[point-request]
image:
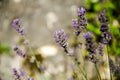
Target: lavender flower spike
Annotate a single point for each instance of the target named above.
(81, 11)
(88, 36)
(60, 38)
(90, 46)
(19, 51)
(75, 24)
(16, 74)
(15, 22)
(17, 26)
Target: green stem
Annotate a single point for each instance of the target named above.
(28, 45)
(97, 71)
(79, 69)
(83, 66)
(108, 56)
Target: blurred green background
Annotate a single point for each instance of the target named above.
(112, 12)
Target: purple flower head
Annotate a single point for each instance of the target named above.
(22, 31)
(19, 51)
(60, 38)
(106, 37)
(104, 27)
(17, 26)
(16, 74)
(102, 18)
(77, 33)
(83, 22)
(15, 22)
(81, 11)
(75, 24)
(88, 36)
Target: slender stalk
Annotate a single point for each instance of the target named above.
(108, 56)
(79, 69)
(98, 72)
(84, 65)
(32, 52)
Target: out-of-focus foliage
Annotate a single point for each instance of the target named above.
(4, 48)
(112, 10)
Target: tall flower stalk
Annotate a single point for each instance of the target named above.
(20, 29)
(61, 39)
(105, 34)
(91, 48)
(80, 23)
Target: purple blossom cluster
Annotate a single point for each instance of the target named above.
(90, 46)
(114, 68)
(20, 75)
(19, 51)
(100, 49)
(61, 39)
(81, 22)
(17, 26)
(94, 48)
(105, 34)
(16, 74)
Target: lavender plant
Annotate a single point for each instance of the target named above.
(20, 75)
(92, 47)
(80, 23)
(21, 52)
